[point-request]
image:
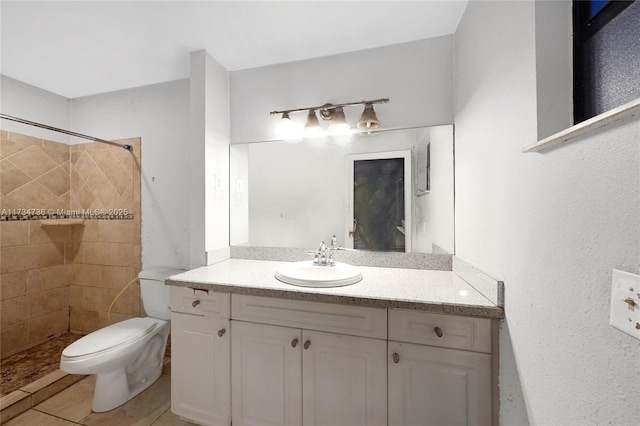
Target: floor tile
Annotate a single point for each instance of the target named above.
(14, 404)
(33, 417)
(73, 403)
(143, 410)
(170, 419)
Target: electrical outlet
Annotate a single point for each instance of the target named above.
(239, 186)
(625, 303)
(217, 182)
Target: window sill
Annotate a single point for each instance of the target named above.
(606, 119)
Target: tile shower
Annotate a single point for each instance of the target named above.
(57, 278)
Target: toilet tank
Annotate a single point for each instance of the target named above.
(154, 293)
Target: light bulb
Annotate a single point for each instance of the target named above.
(289, 130)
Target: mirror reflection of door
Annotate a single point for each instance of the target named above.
(379, 199)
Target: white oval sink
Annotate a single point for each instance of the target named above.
(306, 274)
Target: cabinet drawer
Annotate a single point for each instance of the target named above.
(199, 302)
(447, 331)
(343, 319)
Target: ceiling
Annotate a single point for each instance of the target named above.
(79, 48)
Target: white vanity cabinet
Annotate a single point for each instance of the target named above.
(200, 356)
(308, 363)
(439, 369)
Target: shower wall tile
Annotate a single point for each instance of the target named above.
(21, 258)
(13, 338)
(44, 279)
(32, 161)
(49, 301)
(14, 233)
(56, 180)
(56, 278)
(14, 311)
(13, 284)
(13, 143)
(26, 140)
(11, 177)
(49, 325)
(106, 258)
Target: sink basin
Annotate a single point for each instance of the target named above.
(306, 274)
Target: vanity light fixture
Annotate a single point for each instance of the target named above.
(289, 130)
(312, 126)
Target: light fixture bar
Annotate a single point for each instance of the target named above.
(332, 106)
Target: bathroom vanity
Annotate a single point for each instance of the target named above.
(401, 347)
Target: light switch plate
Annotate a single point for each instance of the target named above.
(625, 303)
(217, 182)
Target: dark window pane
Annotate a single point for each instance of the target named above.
(611, 68)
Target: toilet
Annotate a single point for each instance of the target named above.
(126, 357)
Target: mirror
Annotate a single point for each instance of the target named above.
(295, 195)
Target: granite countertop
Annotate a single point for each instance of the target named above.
(416, 289)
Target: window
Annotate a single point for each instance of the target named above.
(606, 55)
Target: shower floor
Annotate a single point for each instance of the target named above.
(25, 367)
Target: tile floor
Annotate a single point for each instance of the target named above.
(28, 366)
(72, 407)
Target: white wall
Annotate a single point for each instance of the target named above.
(209, 157)
(159, 114)
(552, 226)
(434, 211)
(417, 77)
(22, 100)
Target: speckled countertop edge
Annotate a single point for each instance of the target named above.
(216, 278)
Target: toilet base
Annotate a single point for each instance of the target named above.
(112, 389)
(122, 384)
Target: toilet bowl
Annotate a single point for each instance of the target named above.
(126, 357)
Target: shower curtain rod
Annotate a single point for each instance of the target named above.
(66, 132)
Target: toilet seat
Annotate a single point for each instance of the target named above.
(109, 337)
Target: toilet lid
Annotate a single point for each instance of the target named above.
(111, 336)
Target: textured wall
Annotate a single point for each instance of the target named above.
(552, 226)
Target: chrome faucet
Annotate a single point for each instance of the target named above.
(321, 258)
(324, 255)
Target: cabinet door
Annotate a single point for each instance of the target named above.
(436, 386)
(344, 380)
(266, 374)
(200, 369)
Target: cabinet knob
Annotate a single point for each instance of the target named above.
(221, 332)
(307, 344)
(396, 358)
(294, 343)
(195, 303)
(438, 331)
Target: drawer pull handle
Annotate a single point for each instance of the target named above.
(294, 343)
(195, 303)
(307, 344)
(396, 358)
(438, 331)
(221, 332)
